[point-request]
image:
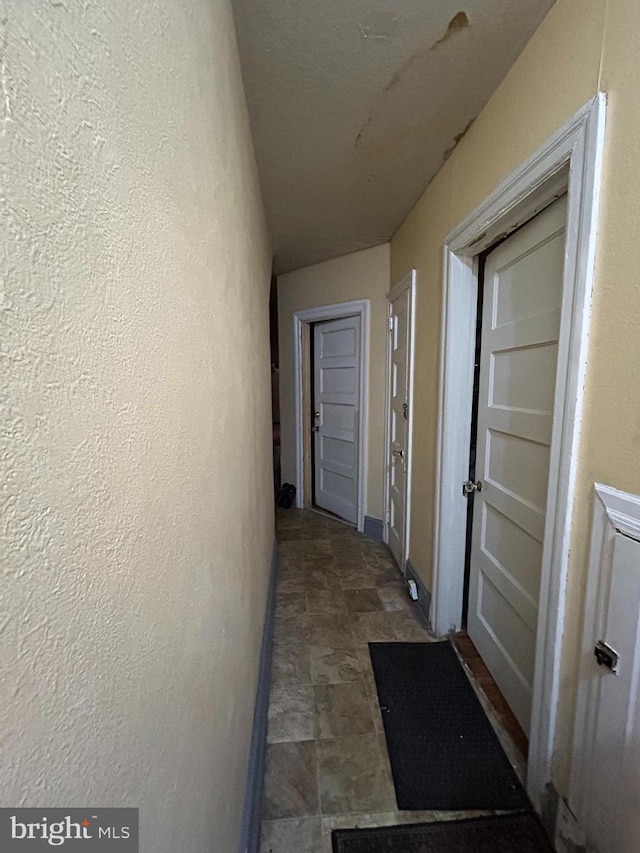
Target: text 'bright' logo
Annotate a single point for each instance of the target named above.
(55, 833)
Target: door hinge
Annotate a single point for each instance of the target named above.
(405, 411)
(391, 324)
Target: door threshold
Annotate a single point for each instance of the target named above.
(330, 515)
(509, 731)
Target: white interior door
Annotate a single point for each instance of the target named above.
(398, 359)
(520, 328)
(336, 348)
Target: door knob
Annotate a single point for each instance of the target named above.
(469, 487)
(397, 454)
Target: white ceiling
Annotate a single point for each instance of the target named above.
(355, 104)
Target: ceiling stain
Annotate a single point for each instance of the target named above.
(460, 21)
(361, 132)
(329, 63)
(404, 68)
(458, 138)
(396, 77)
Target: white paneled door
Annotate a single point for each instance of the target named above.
(336, 351)
(398, 359)
(520, 329)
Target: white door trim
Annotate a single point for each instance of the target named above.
(614, 511)
(359, 307)
(408, 281)
(569, 161)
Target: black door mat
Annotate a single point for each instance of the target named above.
(444, 753)
(515, 833)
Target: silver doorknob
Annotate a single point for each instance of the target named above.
(469, 487)
(397, 454)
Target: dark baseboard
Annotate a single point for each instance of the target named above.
(549, 803)
(250, 830)
(424, 596)
(373, 527)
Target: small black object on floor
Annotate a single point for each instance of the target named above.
(514, 833)
(286, 495)
(444, 753)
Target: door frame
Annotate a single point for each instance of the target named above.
(302, 321)
(570, 161)
(408, 282)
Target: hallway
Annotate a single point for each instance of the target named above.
(327, 762)
(166, 165)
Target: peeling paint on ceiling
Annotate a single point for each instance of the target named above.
(355, 106)
(459, 21)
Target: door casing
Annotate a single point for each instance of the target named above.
(408, 282)
(570, 161)
(302, 321)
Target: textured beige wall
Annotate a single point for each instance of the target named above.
(610, 451)
(582, 46)
(361, 275)
(137, 525)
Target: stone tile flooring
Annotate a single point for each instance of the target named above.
(327, 762)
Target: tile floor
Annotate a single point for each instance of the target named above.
(327, 762)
